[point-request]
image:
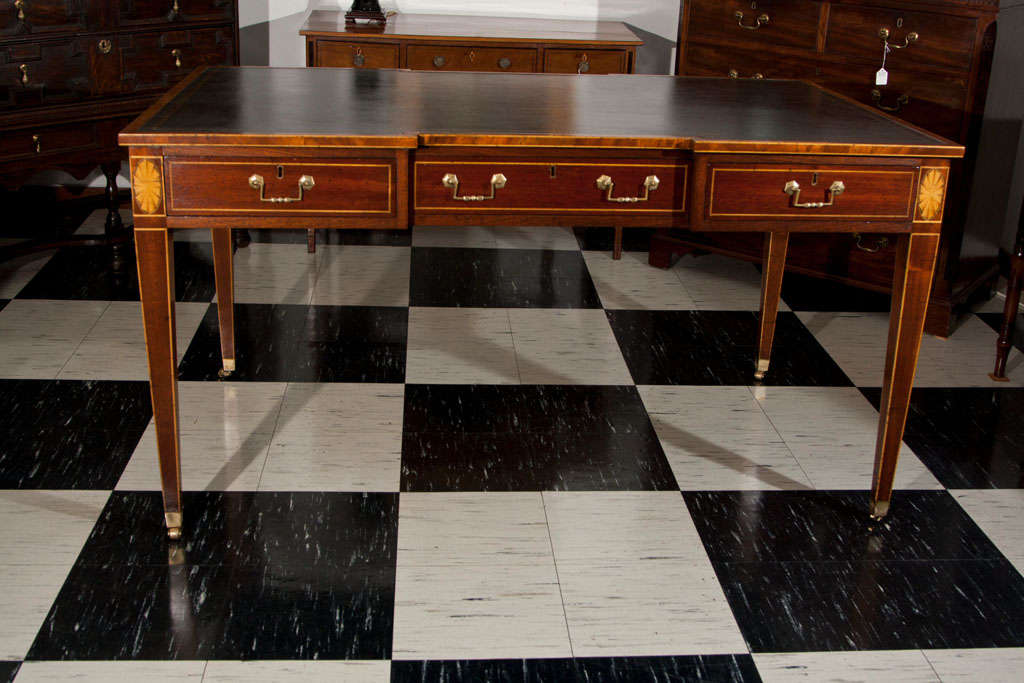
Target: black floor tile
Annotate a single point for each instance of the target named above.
(819, 526)
(875, 605)
(69, 434)
(393, 238)
(258, 576)
(719, 348)
(500, 278)
(529, 438)
(803, 293)
(88, 273)
(968, 438)
(8, 670)
(603, 239)
(295, 343)
(995, 321)
(3, 303)
(717, 668)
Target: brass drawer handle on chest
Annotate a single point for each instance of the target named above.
(760, 21)
(733, 73)
(793, 190)
(911, 37)
(176, 53)
(104, 46)
(24, 74)
(880, 244)
(20, 6)
(305, 184)
(901, 101)
(451, 181)
(37, 144)
(651, 182)
(175, 11)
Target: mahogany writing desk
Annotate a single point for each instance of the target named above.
(279, 148)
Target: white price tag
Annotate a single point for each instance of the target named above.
(882, 77)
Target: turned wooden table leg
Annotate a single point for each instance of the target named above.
(154, 251)
(224, 276)
(775, 244)
(311, 241)
(617, 248)
(113, 226)
(912, 283)
(1010, 310)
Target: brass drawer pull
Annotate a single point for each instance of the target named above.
(37, 144)
(504, 62)
(359, 59)
(104, 46)
(733, 73)
(176, 53)
(175, 12)
(24, 74)
(880, 243)
(305, 184)
(793, 190)
(439, 61)
(651, 182)
(20, 6)
(761, 21)
(911, 37)
(451, 181)
(901, 101)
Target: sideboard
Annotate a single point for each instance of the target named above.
(939, 54)
(73, 73)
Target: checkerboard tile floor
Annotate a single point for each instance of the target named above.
(496, 454)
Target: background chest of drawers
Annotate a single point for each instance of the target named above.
(74, 72)
(938, 69)
(453, 43)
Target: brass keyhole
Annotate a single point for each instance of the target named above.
(814, 178)
(280, 172)
(554, 171)
(753, 5)
(899, 22)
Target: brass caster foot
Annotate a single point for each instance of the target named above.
(227, 369)
(173, 522)
(174, 533)
(224, 374)
(879, 510)
(995, 378)
(760, 370)
(759, 376)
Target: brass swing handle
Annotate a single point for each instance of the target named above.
(175, 12)
(911, 37)
(761, 21)
(23, 68)
(176, 53)
(793, 190)
(305, 184)
(880, 243)
(651, 182)
(901, 101)
(734, 73)
(20, 6)
(451, 181)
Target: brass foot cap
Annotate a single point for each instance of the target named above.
(879, 510)
(996, 378)
(222, 373)
(174, 533)
(758, 376)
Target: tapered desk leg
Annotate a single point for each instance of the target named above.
(310, 241)
(224, 275)
(617, 247)
(154, 251)
(915, 263)
(774, 263)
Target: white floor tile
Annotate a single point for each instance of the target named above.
(635, 578)
(225, 430)
(496, 237)
(16, 273)
(566, 346)
(476, 579)
(274, 274)
(353, 671)
(38, 336)
(905, 666)
(992, 665)
(631, 283)
(352, 275)
(718, 438)
(104, 672)
(832, 431)
(460, 346)
(115, 348)
(337, 437)
(1000, 514)
(857, 343)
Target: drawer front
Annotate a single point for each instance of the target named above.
(933, 101)
(942, 39)
(789, 23)
(586, 61)
(28, 143)
(742, 192)
(349, 186)
(37, 74)
(141, 12)
(358, 55)
(554, 187)
(712, 60)
(155, 61)
(464, 58)
(41, 16)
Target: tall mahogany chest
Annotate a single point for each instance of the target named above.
(937, 63)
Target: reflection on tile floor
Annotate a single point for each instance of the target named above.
(552, 466)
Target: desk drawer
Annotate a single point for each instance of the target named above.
(456, 58)
(358, 55)
(760, 191)
(586, 61)
(349, 186)
(783, 23)
(466, 186)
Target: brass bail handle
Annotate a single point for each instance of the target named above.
(24, 74)
(451, 181)
(176, 53)
(175, 11)
(759, 21)
(909, 39)
(306, 184)
(834, 190)
(651, 182)
(20, 6)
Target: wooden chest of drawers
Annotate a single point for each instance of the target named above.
(73, 73)
(938, 64)
(454, 43)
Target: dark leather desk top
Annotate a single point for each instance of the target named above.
(397, 108)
